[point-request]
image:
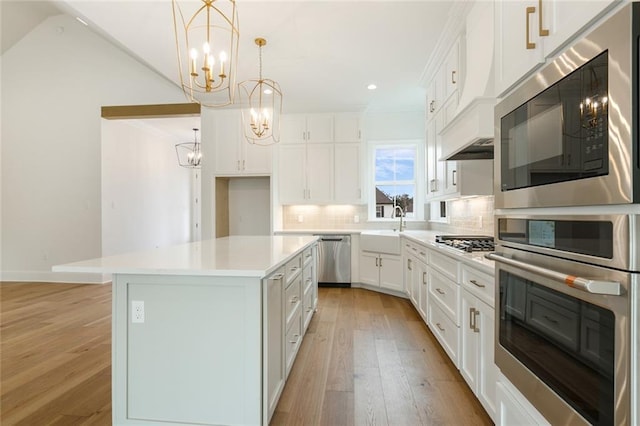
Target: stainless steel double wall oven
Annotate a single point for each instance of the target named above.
(567, 315)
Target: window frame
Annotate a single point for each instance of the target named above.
(418, 201)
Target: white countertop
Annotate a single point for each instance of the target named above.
(239, 256)
(475, 259)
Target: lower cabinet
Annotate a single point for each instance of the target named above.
(513, 408)
(381, 270)
(289, 300)
(477, 364)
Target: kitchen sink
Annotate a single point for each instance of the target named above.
(385, 241)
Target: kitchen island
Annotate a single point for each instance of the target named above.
(206, 332)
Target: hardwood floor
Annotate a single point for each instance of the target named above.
(367, 359)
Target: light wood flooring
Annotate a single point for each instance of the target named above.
(367, 358)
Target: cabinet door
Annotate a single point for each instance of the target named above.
(256, 158)
(469, 352)
(391, 272)
(347, 127)
(487, 369)
(434, 97)
(409, 274)
(227, 139)
(291, 174)
(273, 343)
(320, 128)
(451, 77)
(514, 60)
(347, 173)
(369, 270)
(564, 18)
(450, 171)
(293, 128)
(320, 173)
(431, 160)
(423, 288)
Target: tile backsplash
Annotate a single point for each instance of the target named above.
(468, 215)
(464, 216)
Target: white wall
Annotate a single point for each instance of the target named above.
(54, 82)
(394, 125)
(145, 193)
(249, 206)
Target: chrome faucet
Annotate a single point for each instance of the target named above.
(402, 224)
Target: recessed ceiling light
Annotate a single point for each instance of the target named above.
(83, 22)
(372, 87)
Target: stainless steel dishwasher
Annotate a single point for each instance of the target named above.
(334, 261)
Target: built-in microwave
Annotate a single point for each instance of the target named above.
(568, 136)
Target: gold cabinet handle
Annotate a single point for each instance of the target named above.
(475, 321)
(453, 73)
(472, 317)
(424, 278)
(530, 10)
(439, 326)
(541, 31)
(440, 291)
(409, 264)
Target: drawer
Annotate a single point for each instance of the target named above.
(307, 308)
(479, 284)
(552, 320)
(307, 256)
(307, 278)
(293, 268)
(445, 330)
(419, 251)
(292, 299)
(444, 264)
(446, 293)
(292, 340)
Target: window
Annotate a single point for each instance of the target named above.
(395, 178)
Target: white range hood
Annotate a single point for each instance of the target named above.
(470, 134)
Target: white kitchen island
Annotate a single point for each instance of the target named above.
(205, 333)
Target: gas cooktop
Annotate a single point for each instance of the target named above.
(468, 243)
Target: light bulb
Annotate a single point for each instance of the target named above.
(205, 48)
(223, 56)
(194, 54)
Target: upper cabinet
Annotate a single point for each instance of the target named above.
(234, 155)
(347, 127)
(300, 128)
(526, 33)
(442, 91)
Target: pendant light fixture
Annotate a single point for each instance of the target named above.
(207, 48)
(189, 153)
(261, 107)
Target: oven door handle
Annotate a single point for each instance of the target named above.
(585, 284)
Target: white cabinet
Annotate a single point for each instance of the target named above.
(273, 359)
(348, 174)
(234, 155)
(347, 127)
(381, 270)
(513, 408)
(306, 173)
(300, 128)
(442, 91)
(477, 364)
(526, 35)
(435, 168)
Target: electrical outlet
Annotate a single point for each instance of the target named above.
(356, 219)
(137, 311)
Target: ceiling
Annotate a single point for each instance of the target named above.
(322, 53)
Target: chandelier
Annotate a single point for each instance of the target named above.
(207, 47)
(189, 153)
(261, 107)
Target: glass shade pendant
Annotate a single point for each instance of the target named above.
(189, 153)
(207, 48)
(261, 101)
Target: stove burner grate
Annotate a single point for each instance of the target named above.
(468, 243)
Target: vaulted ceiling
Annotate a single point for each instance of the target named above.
(323, 53)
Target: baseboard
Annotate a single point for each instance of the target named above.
(55, 277)
(380, 290)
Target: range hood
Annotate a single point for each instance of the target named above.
(470, 135)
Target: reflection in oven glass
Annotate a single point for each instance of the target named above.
(566, 342)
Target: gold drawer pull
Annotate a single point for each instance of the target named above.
(439, 326)
(530, 10)
(541, 31)
(440, 291)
